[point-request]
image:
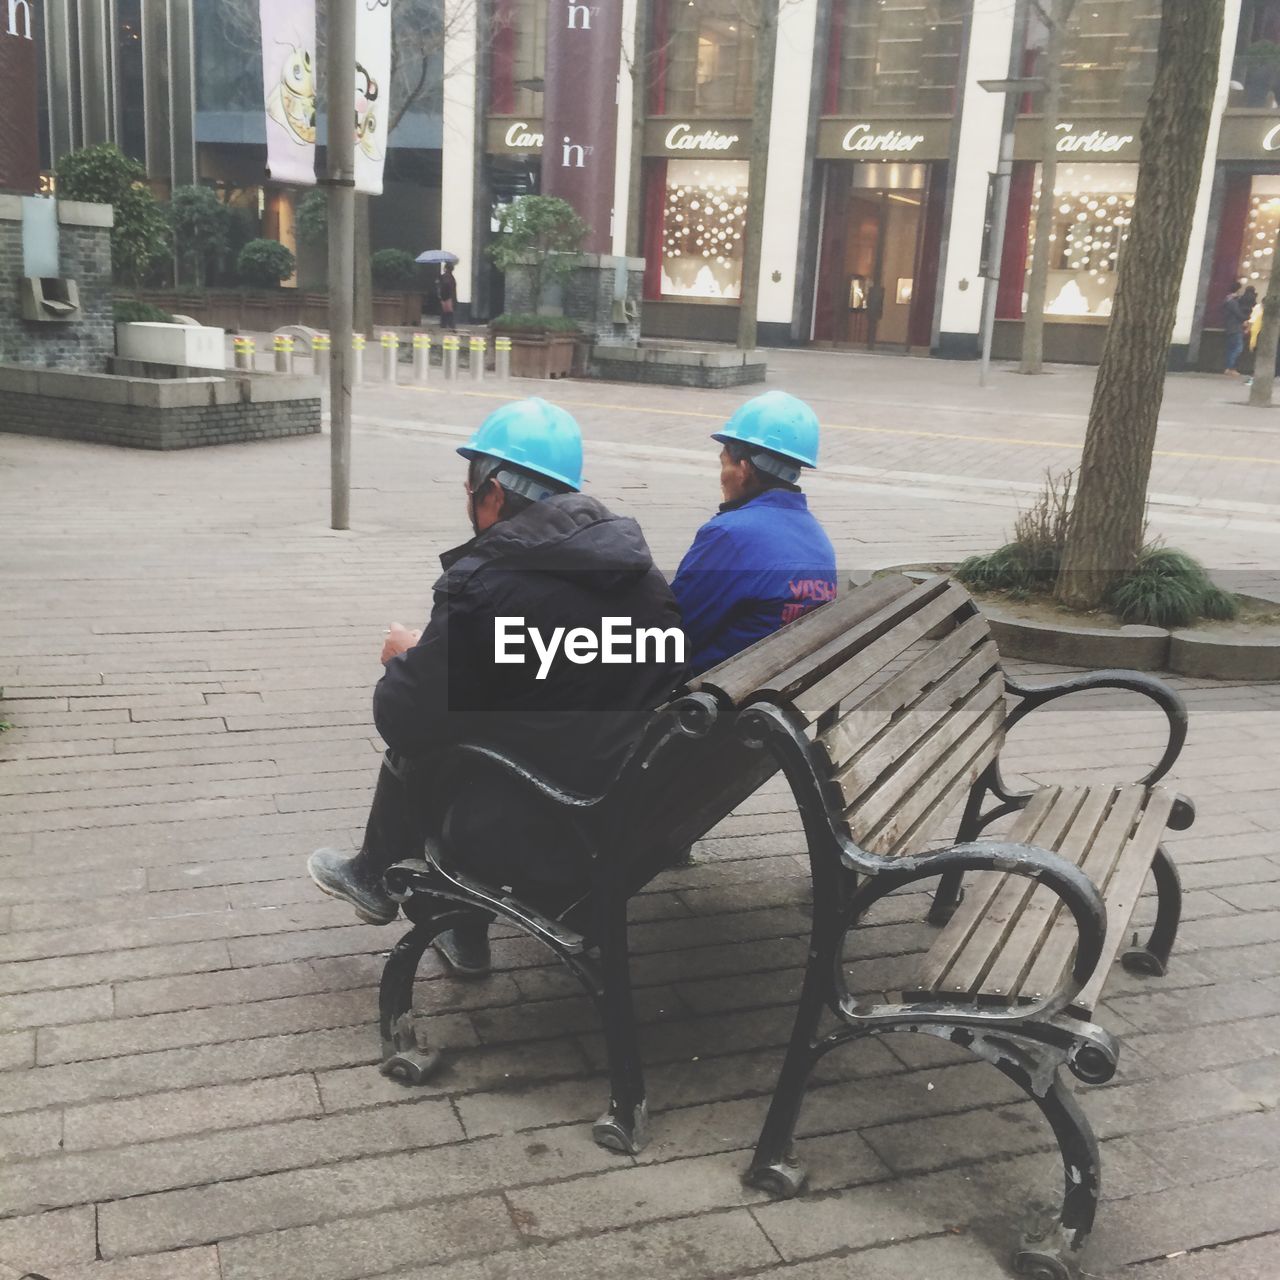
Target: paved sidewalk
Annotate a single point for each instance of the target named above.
(187, 1029)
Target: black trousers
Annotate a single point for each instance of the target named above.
(485, 826)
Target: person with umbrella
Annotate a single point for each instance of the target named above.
(446, 287)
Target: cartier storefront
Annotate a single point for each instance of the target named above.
(884, 159)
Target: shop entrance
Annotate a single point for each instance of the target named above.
(870, 292)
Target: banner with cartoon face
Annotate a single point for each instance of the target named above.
(373, 92)
(289, 75)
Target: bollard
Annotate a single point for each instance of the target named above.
(321, 351)
(244, 353)
(358, 345)
(450, 346)
(284, 353)
(421, 357)
(390, 357)
(477, 359)
(502, 358)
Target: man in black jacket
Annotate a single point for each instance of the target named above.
(495, 666)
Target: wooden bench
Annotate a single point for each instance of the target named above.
(883, 733)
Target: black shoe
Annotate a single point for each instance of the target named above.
(340, 875)
(465, 950)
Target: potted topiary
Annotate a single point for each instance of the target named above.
(538, 242)
(266, 264)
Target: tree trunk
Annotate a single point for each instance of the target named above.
(1264, 355)
(1105, 531)
(1038, 280)
(363, 283)
(758, 173)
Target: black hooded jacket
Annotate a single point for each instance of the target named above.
(563, 562)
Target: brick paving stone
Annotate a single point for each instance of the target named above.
(157, 810)
(357, 1247)
(1243, 1260)
(168, 1115)
(59, 1238)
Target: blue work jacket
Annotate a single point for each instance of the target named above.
(753, 567)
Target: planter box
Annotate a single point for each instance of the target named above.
(541, 355)
(184, 346)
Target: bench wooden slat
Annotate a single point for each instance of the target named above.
(791, 683)
(896, 730)
(1040, 906)
(866, 661)
(1098, 864)
(1123, 890)
(947, 778)
(923, 746)
(996, 915)
(979, 891)
(756, 667)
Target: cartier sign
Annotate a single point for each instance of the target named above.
(1250, 137)
(719, 139)
(855, 139)
(1096, 139)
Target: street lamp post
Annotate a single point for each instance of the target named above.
(341, 174)
(1012, 90)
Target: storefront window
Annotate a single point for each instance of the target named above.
(703, 218)
(894, 56)
(518, 55)
(1093, 207)
(129, 79)
(1255, 81)
(1260, 231)
(1110, 60)
(702, 56)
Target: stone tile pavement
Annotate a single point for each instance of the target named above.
(187, 1029)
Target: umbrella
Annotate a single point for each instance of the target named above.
(436, 255)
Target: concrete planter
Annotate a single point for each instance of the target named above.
(180, 345)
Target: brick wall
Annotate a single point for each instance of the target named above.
(148, 427)
(83, 343)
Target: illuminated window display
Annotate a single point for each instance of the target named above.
(1260, 232)
(1093, 207)
(703, 218)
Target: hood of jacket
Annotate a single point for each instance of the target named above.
(569, 536)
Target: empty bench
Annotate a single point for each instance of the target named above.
(883, 734)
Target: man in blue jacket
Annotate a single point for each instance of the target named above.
(764, 560)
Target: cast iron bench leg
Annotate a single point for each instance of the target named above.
(774, 1167)
(403, 1056)
(1153, 958)
(1048, 1251)
(624, 1127)
(947, 897)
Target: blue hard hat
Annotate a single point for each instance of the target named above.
(776, 422)
(533, 435)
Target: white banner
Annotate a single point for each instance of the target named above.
(373, 92)
(289, 84)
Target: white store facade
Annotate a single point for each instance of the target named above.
(881, 142)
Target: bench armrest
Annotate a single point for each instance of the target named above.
(1167, 699)
(1077, 891)
(527, 776)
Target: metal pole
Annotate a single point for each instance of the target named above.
(340, 66)
(421, 357)
(999, 218)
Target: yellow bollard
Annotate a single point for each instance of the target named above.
(450, 346)
(421, 357)
(390, 357)
(284, 353)
(244, 349)
(502, 358)
(477, 359)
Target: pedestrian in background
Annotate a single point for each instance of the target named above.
(1235, 316)
(448, 293)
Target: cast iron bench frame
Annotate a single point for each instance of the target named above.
(772, 707)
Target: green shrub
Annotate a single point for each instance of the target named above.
(1168, 588)
(201, 231)
(523, 322)
(313, 218)
(541, 233)
(393, 269)
(103, 174)
(131, 311)
(1031, 561)
(265, 263)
